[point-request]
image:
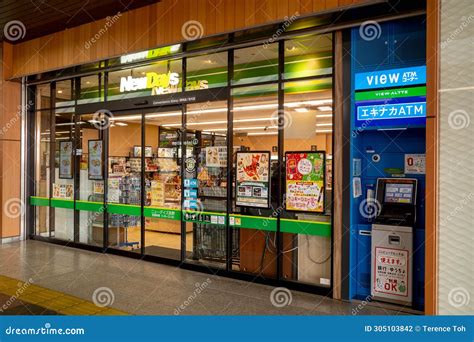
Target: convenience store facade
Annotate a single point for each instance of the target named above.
(188, 153)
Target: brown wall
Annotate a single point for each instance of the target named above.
(152, 26)
(10, 133)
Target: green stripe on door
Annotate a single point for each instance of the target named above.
(253, 222)
(305, 227)
(162, 213)
(62, 203)
(124, 209)
(39, 201)
(90, 206)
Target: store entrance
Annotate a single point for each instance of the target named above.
(144, 181)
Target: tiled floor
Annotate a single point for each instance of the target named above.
(145, 288)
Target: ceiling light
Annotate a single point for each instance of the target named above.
(324, 116)
(210, 62)
(302, 110)
(60, 91)
(324, 124)
(323, 130)
(121, 124)
(324, 108)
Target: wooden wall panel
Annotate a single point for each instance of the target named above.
(10, 135)
(151, 26)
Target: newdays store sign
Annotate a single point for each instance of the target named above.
(159, 83)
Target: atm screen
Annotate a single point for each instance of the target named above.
(399, 193)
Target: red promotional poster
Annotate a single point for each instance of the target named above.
(305, 177)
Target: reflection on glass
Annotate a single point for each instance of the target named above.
(64, 93)
(124, 183)
(308, 56)
(92, 89)
(42, 170)
(63, 183)
(307, 254)
(255, 139)
(163, 185)
(43, 96)
(256, 64)
(207, 71)
(91, 182)
(205, 181)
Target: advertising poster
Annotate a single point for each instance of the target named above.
(253, 179)
(391, 271)
(95, 160)
(305, 181)
(415, 164)
(65, 159)
(216, 156)
(63, 191)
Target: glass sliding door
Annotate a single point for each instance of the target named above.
(124, 181)
(162, 207)
(62, 199)
(205, 182)
(91, 171)
(254, 214)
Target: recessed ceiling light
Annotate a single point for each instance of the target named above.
(121, 124)
(302, 110)
(210, 61)
(60, 91)
(324, 108)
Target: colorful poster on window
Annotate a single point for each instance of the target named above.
(216, 156)
(305, 181)
(63, 191)
(65, 159)
(253, 179)
(95, 160)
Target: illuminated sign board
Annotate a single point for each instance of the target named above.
(158, 83)
(149, 54)
(391, 78)
(394, 97)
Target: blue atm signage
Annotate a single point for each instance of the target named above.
(390, 78)
(392, 111)
(397, 111)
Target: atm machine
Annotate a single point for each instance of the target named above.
(392, 240)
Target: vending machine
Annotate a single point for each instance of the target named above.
(392, 240)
